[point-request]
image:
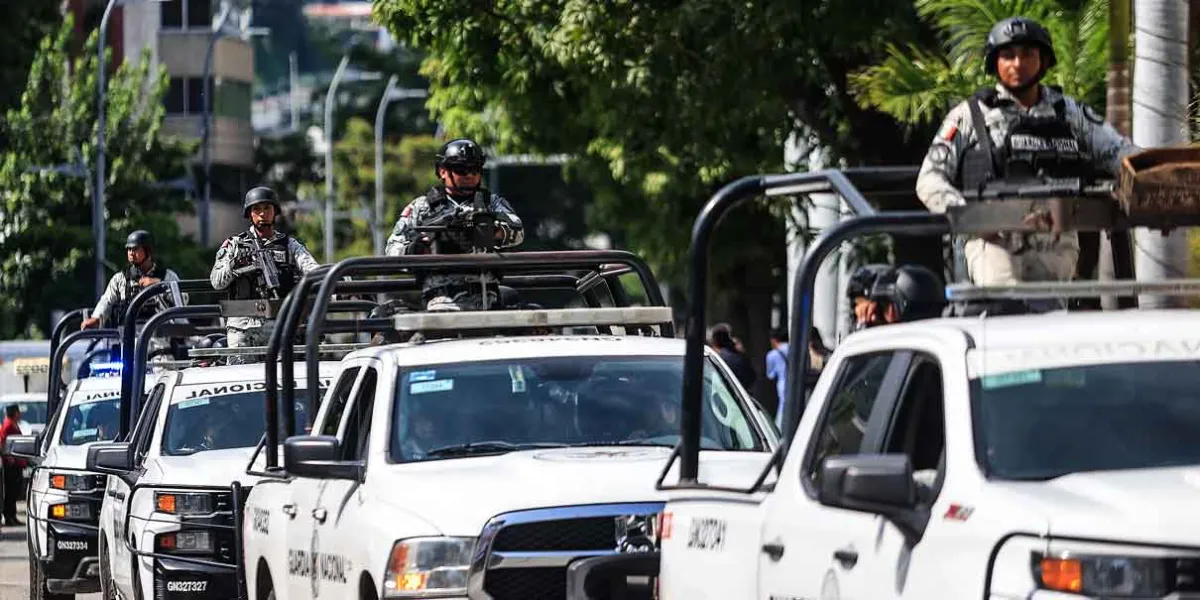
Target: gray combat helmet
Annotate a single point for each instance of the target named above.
(1018, 30)
(260, 195)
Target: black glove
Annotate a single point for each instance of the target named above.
(242, 257)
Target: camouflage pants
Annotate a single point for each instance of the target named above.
(1045, 259)
(247, 332)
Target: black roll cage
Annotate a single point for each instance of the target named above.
(520, 270)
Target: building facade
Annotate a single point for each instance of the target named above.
(178, 34)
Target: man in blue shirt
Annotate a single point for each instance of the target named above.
(777, 368)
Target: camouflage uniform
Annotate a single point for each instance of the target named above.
(235, 271)
(451, 291)
(124, 286)
(1018, 256)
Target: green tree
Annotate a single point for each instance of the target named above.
(663, 103)
(45, 218)
(918, 83)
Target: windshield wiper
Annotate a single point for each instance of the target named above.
(488, 447)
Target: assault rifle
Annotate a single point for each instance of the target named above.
(267, 266)
(472, 229)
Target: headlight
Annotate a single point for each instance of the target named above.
(420, 566)
(71, 483)
(1098, 575)
(183, 503)
(185, 542)
(71, 511)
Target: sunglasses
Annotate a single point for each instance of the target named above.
(464, 170)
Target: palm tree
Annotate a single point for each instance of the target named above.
(917, 85)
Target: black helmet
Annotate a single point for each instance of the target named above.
(863, 280)
(140, 238)
(1018, 30)
(916, 292)
(460, 152)
(259, 195)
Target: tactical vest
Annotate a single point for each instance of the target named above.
(131, 278)
(249, 286)
(1034, 147)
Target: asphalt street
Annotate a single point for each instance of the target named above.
(14, 563)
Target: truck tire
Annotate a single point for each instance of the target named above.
(108, 590)
(37, 581)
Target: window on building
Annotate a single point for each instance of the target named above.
(175, 100)
(199, 14)
(196, 95)
(172, 14)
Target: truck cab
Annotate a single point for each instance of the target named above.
(167, 520)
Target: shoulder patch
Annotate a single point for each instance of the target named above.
(950, 133)
(1090, 114)
(407, 210)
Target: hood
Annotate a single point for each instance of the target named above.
(459, 495)
(67, 457)
(215, 468)
(1152, 506)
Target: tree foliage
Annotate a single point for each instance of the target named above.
(662, 103)
(45, 218)
(917, 83)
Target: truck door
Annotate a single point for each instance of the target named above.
(303, 568)
(917, 429)
(810, 550)
(334, 520)
(120, 496)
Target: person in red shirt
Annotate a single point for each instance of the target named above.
(13, 466)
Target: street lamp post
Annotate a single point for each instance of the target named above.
(98, 196)
(330, 94)
(389, 94)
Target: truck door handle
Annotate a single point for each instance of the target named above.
(319, 514)
(289, 510)
(847, 557)
(116, 494)
(773, 550)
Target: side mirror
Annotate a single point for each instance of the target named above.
(318, 457)
(111, 458)
(23, 446)
(876, 483)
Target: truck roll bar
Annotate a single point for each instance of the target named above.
(60, 328)
(522, 270)
(129, 324)
(727, 198)
(136, 376)
(385, 265)
(54, 389)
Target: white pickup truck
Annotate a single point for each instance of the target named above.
(167, 520)
(64, 498)
(1046, 456)
(482, 467)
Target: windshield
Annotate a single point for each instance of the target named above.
(221, 421)
(1040, 424)
(92, 421)
(561, 401)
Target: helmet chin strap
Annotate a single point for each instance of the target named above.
(454, 189)
(1024, 87)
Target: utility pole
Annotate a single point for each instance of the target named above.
(380, 117)
(330, 98)
(293, 90)
(1160, 103)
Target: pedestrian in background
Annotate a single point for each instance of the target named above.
(720, 337)
(13, 466)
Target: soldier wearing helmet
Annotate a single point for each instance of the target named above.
(908, 293)
(142, 271)
(459, 166)
(1018, 130)
(236, 270)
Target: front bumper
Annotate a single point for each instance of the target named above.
(178, 579)
(72, 566)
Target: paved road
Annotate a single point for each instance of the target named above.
(14, 563)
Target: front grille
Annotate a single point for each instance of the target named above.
(1186, 574)
(594, 533)
(544, 583)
